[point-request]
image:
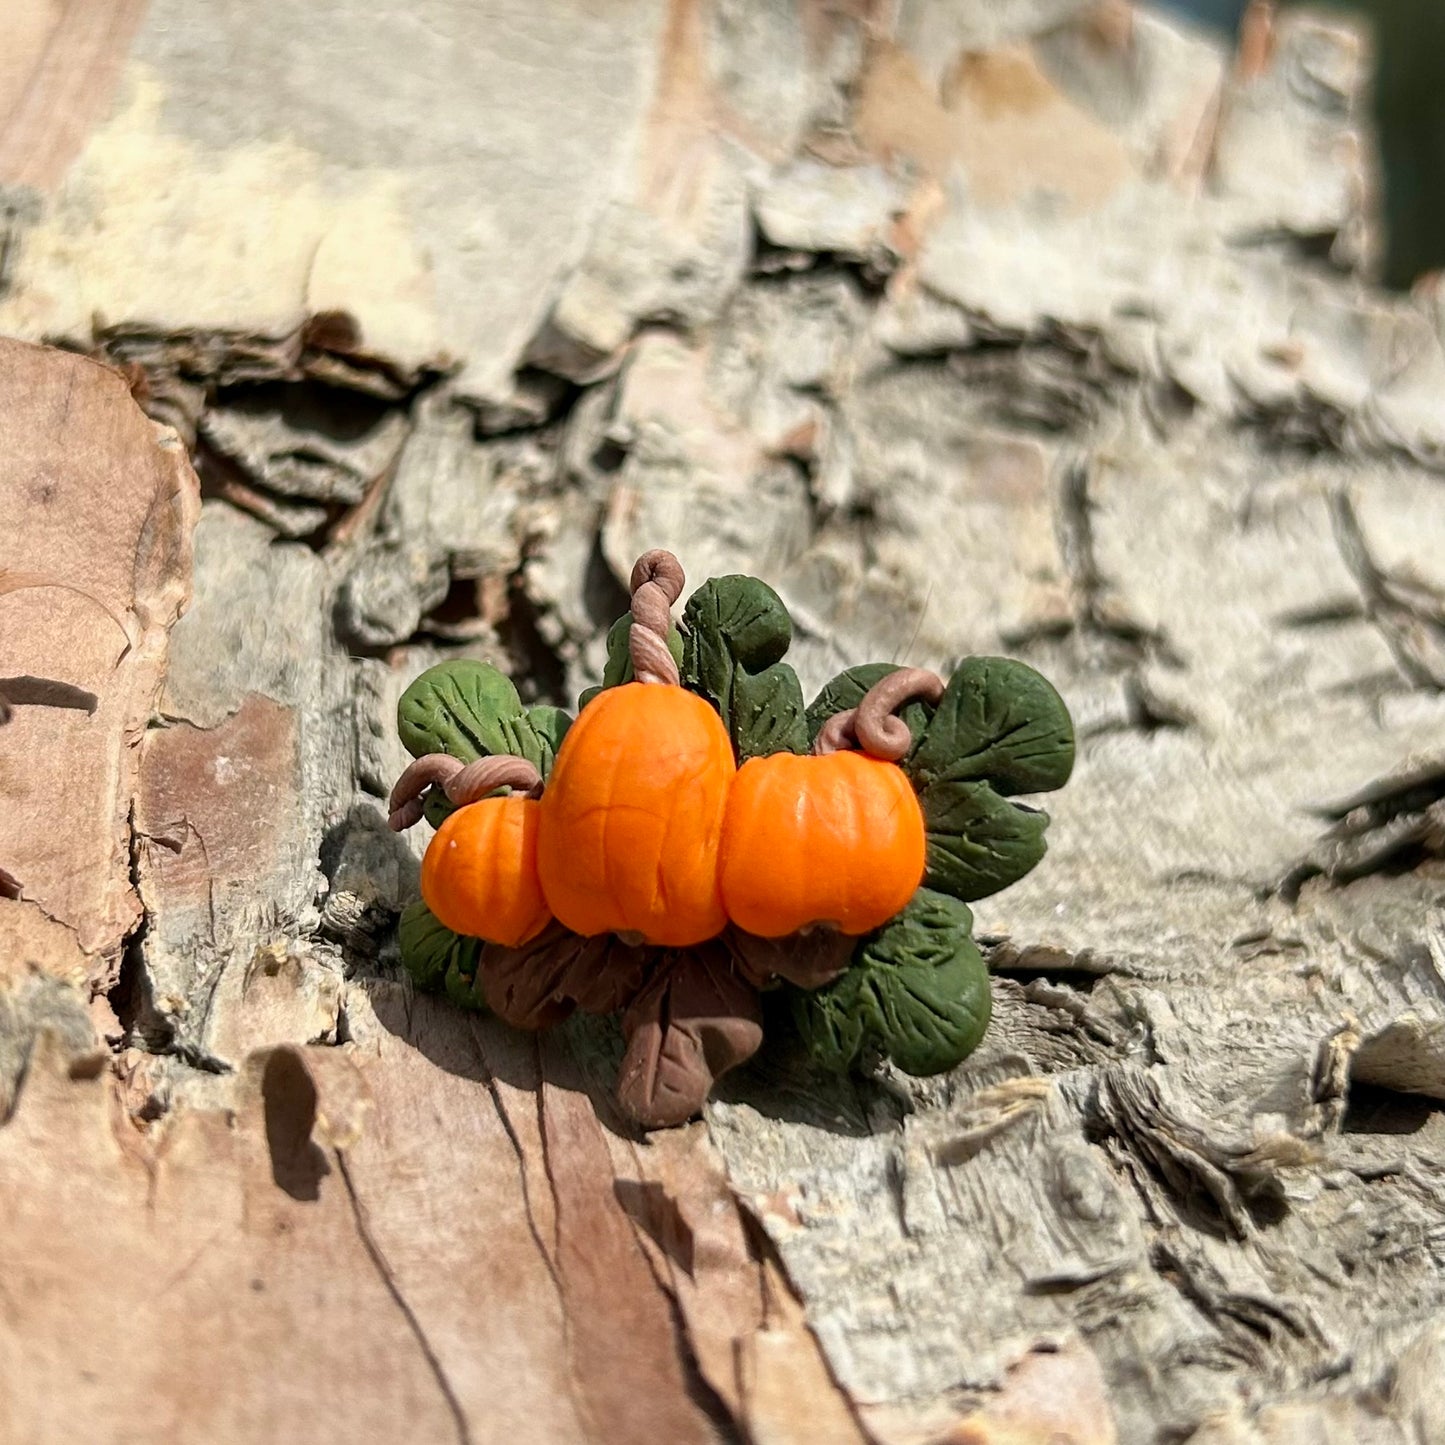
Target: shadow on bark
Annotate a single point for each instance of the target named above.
(288, 1098)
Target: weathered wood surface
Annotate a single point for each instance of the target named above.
(1030, 328)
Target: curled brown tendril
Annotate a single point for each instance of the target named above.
(405, 803)
(874, 725)
(486, 775)
(461, 783)
(657, 582)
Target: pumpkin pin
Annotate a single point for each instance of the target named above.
(697, 834)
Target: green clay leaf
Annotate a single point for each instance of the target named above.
(834, 1022)
(436, 958)
(918, 990)
(618, 667)
(460, 984)
(1000, 729)
(978, 842)
(737, 631)
(740, 620)
(766, 715)
(847, 691)
(1000, 723)
(550, 724)
(468, 709)
(437, 807)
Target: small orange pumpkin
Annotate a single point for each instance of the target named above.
(837, 839)
(632, 817)
(479, 875)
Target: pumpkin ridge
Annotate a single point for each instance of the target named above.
(668, 847)
(611, 859)
(593, 808)
(843, 886)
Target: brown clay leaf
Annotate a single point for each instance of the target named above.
(806, 960)
(696, 1019)
(520, 984)
(539, 984)
(605, 975)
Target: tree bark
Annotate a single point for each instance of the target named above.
(1032, 328)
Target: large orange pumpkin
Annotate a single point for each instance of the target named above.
(632, 817)
(836, 839)
(479, 875)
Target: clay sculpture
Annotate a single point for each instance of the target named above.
(697, 835)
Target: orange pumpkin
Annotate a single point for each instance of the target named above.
(836, 839)
(632, 817)
(479, 875)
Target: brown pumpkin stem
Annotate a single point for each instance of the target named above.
(836, 735)
(874, 725)
(657, 582)
(462, 783)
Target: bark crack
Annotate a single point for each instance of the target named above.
(1407, 615)
(1389, 826)
(1101, 621)
(383, 1269)
(663, 1266)
(549, 1257)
